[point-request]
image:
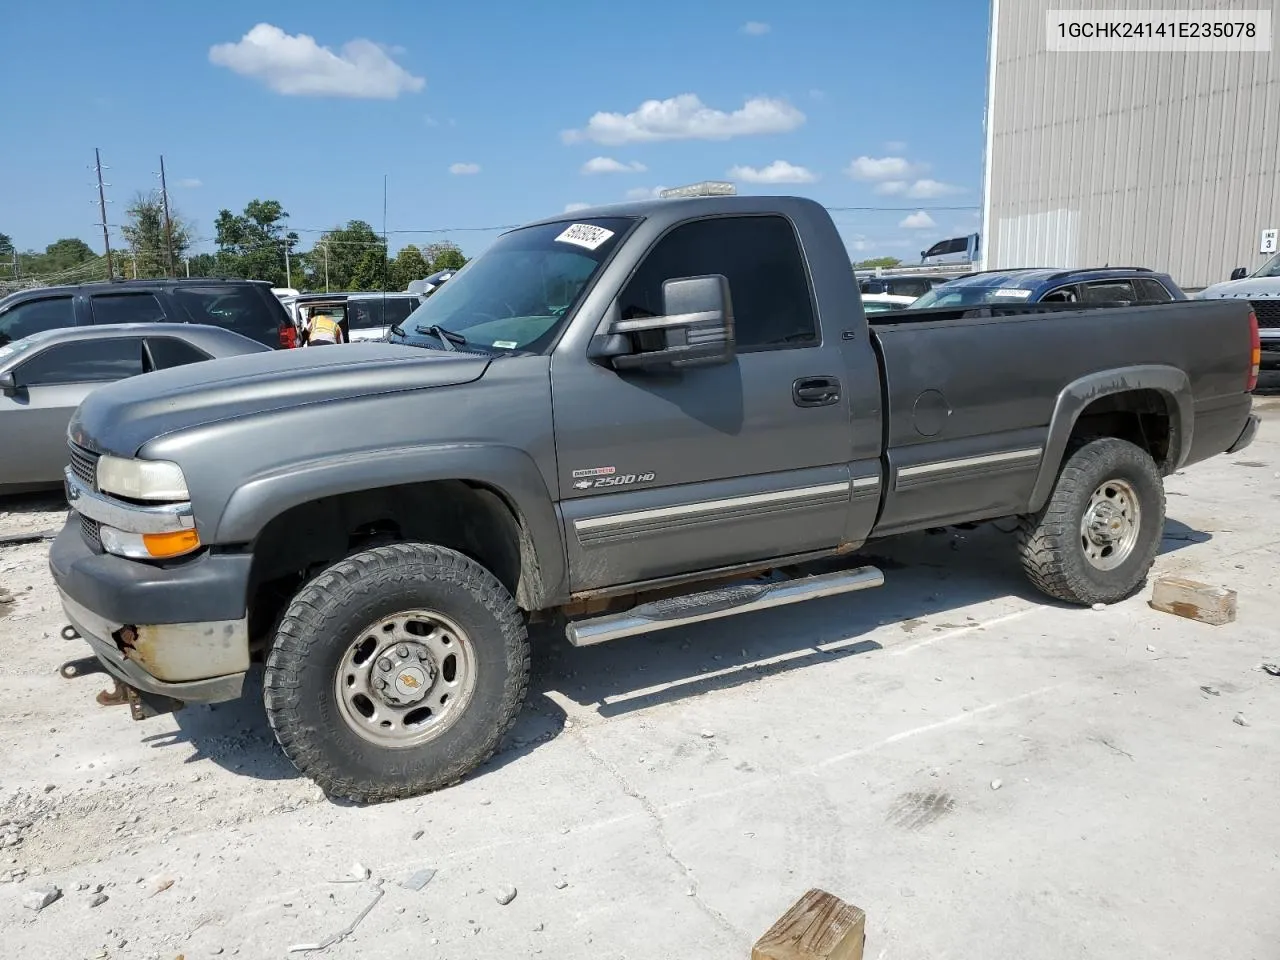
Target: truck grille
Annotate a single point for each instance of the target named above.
(1268, 312)
(84, 464)
(92, 536)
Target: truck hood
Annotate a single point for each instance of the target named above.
(1250, 288)
(121, 417)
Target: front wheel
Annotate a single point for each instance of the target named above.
(1096, 538)
(396, 671)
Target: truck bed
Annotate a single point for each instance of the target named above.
(970, 395)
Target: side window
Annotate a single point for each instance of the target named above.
(1152, 291)
(958, 245)
(1061, 295)
(768, 282)
(938, 249)
(127, 308)
(166, 352)
(36, 316)
(909, 287)
(1109, 291)
(873, 286)
(239, 308)
(88, 361)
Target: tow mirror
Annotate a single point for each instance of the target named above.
(696, 328)
(8, 386)
(1239, 273)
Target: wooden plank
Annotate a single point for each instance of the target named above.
(35, 536)
(1194, 600)
(819, 926)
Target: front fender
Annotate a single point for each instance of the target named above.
(1170, 382)
(509, 471)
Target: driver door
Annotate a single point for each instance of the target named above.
(668, 471)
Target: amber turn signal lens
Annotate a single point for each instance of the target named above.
(164, 545)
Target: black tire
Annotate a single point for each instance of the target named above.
(331, 611)
(1050, 542)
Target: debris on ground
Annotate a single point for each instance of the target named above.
(708, 734)
(1210, 691)
(997, 783)
(504, 894)
(99, 900)
(561, 884)
(417, 834)
(40, 898)
(418, 879)
(1271, 668)
(160, 885)
(1194, 600)
(341, 934)
(1099, 606)
(1239, 720)
(360, 872)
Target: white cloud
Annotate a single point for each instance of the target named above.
(575, 207)
(892, 188)
(190, 183)
(917, 221)
(754, 28)
(686, 117)
(882, 168)
(928, 189)
(777, 172)
(644, 193)
(896, 146)
(298, 66)
(464, 169)
(610, 165)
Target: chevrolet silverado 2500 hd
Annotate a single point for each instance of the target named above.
(616, 420)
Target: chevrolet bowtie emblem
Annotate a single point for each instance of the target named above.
(410, 681)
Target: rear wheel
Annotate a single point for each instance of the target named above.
(1097, 536)
(396, 671)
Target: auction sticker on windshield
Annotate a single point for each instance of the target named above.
(585, 235)
(1013, 292)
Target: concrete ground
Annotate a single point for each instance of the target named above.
(986, 774)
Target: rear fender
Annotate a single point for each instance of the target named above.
(1170, 382)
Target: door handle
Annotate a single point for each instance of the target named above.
(815, 391)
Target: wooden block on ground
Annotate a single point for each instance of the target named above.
(819, 926)
(1194, 600)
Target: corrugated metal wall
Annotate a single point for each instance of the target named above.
(1164, 160)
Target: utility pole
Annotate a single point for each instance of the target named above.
(102, 207)
(187, 261)
(168, 224)
(288, 275)
(326, 264)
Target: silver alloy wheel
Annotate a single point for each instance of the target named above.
(406, 679)
(1110, 526)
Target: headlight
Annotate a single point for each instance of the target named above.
(148, 546)
(142, 479)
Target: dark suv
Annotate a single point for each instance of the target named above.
(246, 307)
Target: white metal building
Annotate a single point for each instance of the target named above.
(1167, 160)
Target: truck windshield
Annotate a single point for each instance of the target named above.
(958, 294)
(1269, 269)
(516, 295)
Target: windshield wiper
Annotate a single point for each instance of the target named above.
(447, 337)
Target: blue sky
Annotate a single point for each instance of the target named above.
(485, 113)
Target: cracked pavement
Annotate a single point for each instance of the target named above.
(854, 745)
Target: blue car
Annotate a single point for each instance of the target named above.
(1106, 285)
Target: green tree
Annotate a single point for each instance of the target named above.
(58, 257)
(253, 244)
(202, 265)
(408, 265)
(371, 271)
(877, 262)
(443, 256)
(145, 234)
(342, 251)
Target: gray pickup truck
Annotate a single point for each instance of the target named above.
(618, 421)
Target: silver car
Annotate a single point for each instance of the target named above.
(44, 377)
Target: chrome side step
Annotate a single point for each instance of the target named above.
(721, 602)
